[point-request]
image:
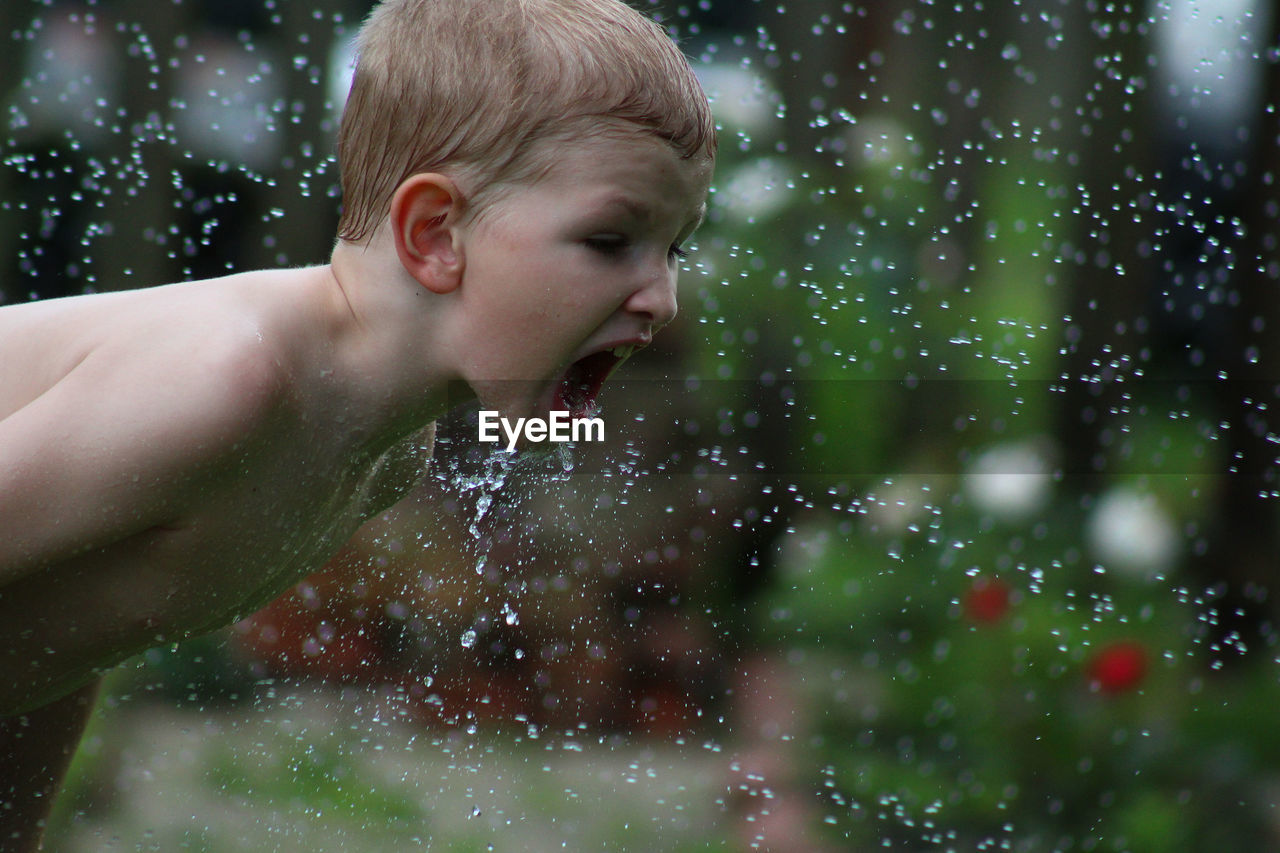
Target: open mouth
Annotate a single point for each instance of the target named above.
(583, 379)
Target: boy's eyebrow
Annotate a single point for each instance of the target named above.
(637, 209)
(644, 213)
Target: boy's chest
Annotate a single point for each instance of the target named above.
(253, 538)
(183, 578)
(394, 474)
(284, 521)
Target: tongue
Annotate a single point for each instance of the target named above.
(582, 382)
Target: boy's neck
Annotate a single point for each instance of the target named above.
(388, 338)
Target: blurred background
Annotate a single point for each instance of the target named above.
(943, 518)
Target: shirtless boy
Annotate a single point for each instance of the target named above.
(518, 176)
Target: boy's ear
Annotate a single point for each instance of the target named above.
(424, 215)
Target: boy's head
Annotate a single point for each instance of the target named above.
(482, 89)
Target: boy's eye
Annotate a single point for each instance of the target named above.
(607, 244)
(612, 245)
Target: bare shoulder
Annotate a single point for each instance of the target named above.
(126, 340)
(202, 361)
(191, 366)
(165, 394)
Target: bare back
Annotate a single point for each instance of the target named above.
(170, 459)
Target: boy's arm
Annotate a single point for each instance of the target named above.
(35, 751)
(120, 445)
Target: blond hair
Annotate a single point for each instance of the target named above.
(470, 87)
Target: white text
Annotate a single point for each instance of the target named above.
(559, 427)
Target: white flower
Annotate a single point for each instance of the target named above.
(1130, 532)
(740, 98)
(1011, 481)
(756, 190)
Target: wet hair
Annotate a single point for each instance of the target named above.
(477, 89)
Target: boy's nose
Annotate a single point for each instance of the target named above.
(657, 299)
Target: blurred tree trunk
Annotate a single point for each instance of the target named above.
(12, 16)
(140, 249)
(299, 221)
(1111, 274)
(817, 49)
(1241, 558)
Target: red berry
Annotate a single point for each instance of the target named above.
(1118, 667)
(987, 601)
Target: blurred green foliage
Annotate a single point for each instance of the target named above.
(931, 726)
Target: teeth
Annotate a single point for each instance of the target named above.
(623, 352)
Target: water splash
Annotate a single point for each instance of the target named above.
(485, 485)
(509, 614)
(564, 453)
